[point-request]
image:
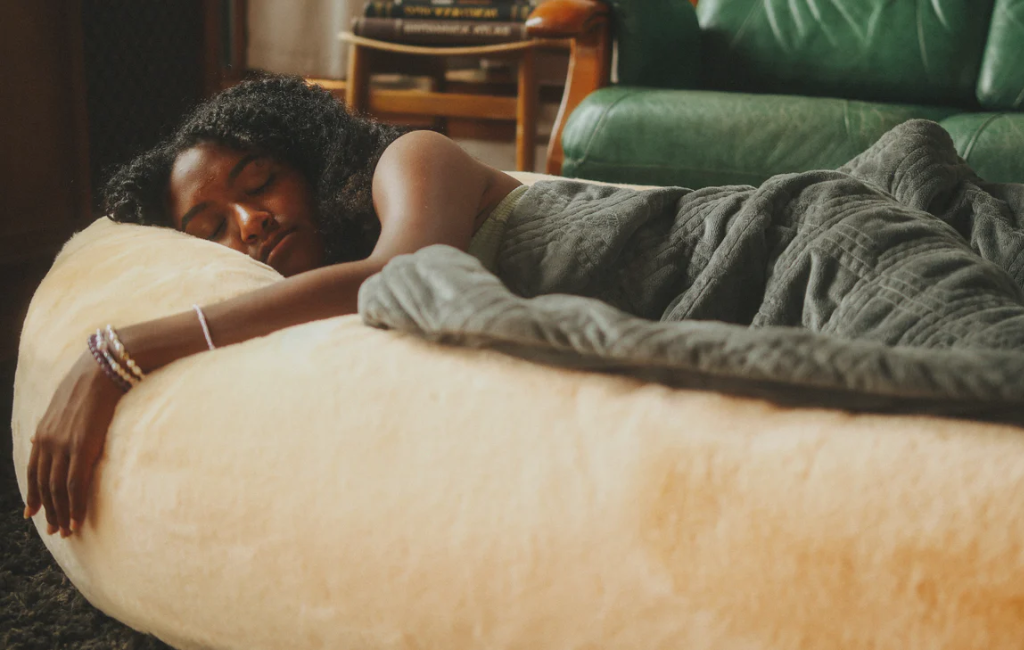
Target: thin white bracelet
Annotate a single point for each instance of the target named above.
(202, 323)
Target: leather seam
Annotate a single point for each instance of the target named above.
(977, 134)
(675, 168)
(743, 27)
(846, 118)
(921, 45)
(597, 127)
(610, 163)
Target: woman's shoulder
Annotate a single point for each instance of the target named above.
(428, 157)
(417, 146)
(428, 190)
(424, 155)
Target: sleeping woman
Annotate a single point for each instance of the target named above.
(279, 171)
(903, 246)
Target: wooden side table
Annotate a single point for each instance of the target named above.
(521, 109)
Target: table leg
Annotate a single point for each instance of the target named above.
(526, 112)
(357, 91)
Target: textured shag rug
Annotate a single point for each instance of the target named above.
(39, 607)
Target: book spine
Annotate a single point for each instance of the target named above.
(436, 32)
(461, 3)
(493, 11)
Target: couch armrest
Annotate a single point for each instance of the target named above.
(586, 23)
(658, 41)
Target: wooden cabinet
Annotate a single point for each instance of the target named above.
(84, 86)
(44, 193)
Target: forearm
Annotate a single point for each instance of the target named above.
(322, 293)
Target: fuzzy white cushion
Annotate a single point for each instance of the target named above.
(334, 486)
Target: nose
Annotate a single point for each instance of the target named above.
(253, 224)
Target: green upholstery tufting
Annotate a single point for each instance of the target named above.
(738, 90)
(993, 144)
(1001, 82)
(635, 135)
(866, 49)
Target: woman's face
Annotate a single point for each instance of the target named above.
(247, 202)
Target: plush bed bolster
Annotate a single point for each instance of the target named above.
(337, 486)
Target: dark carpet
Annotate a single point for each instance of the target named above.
(39, 607)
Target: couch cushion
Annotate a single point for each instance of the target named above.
(700, 138)
(992, 143)
(1001, 82)
(881, 50)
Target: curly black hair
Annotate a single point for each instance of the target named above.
(296, 123)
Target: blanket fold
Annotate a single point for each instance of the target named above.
(895, 283)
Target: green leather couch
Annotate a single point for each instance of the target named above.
(735, 91)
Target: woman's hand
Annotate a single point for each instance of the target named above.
(67, 445)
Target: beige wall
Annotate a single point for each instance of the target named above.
(300, 36)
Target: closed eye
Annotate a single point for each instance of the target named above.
(216, 233)
(262, 188)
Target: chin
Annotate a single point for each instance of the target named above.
(303, 254)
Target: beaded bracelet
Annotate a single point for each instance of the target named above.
(107, 370)
(103, 345)
(122, 355)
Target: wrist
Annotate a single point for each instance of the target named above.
(96, 378)
(156, 343)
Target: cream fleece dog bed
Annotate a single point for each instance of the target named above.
(335, 486)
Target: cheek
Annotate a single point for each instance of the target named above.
(295, 193)
(312, 248)
(305, 254)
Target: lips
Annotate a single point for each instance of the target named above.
(269, 245)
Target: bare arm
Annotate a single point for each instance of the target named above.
(426, 191)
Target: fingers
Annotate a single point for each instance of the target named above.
(59, 492)
(58, 485)
(33, 501)
(45, 461)
(79, 480)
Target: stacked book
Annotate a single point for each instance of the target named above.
(444, 22)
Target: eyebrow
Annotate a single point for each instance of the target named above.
(240, 165)
(232, 175)
(196, 209)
